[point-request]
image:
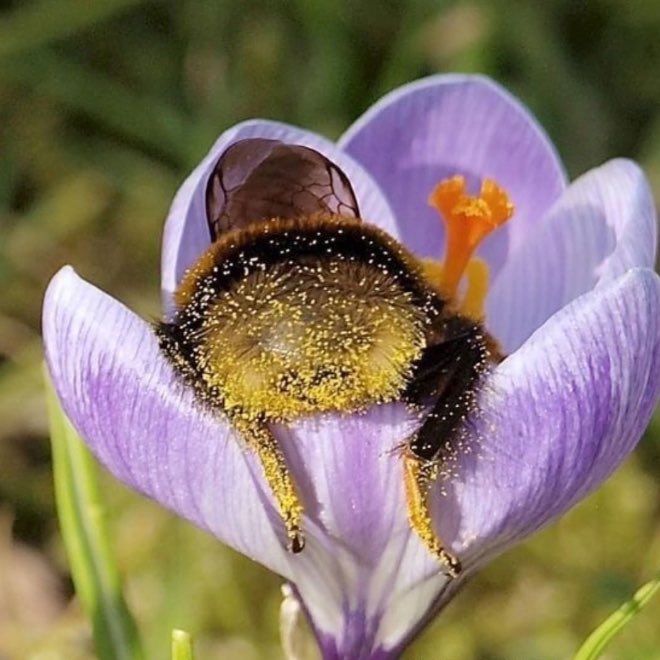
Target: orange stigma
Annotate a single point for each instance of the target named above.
(469, 220)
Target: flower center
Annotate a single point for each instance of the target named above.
(469, 219)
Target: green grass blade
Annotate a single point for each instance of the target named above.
(596, 642)
(81, 522)
(181, 645)
(34, 24)
(79, 87)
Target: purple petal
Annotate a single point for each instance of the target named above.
(361, 563)
(382, 578)
(186, 233)
(445, 125)
(555, 419)
(125, 401)
(603, 225)
(559, 415)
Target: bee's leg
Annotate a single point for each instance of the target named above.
(261, 440)
(449, 371)
(419, 474)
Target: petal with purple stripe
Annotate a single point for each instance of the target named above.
(603, 225)
(445, 125)
(128, 405)
(560, 414)
(351, 476)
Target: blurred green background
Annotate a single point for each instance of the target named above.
(104, 108)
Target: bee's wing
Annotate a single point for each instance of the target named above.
(258, 179)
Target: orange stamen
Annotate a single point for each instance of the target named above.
(469, 220)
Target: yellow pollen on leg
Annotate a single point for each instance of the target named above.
(469, 219)
(280, 481)
(418, 477)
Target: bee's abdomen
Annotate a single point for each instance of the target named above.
(297, 316)
(302, 336)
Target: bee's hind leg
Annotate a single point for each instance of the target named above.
(419, 474)
(449, 371)
(261, 440)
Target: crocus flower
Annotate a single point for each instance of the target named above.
(573, 301)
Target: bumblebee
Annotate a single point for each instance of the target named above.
(301, 307)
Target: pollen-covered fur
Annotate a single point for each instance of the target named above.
(295, 316)
(292, 318)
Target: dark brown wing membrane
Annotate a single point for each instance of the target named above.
(258, 179)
